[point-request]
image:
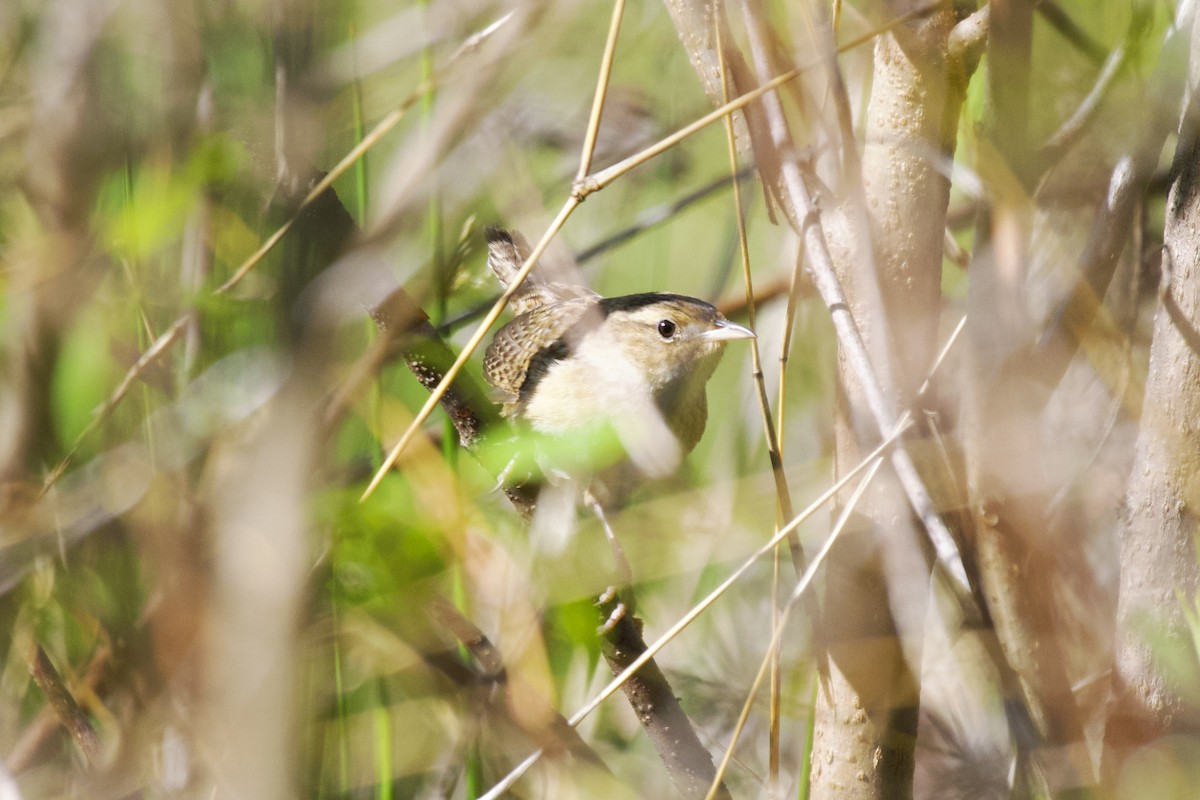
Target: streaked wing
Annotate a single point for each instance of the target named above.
(535, 293)
(535, 338)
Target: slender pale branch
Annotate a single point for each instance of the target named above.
(156, 349)
(781, 623)
(613, 686)
(789, 321)
(579, 193)
(381, 129)
(783, 496)
(469, 348)
(606, 62)
(781, 488)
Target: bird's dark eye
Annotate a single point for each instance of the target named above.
(666, 329)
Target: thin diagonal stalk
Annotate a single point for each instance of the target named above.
(580, 191)
(606, 62)
(613, 686)
(785, 350)
(384, 126)
(469, 348)
(783, 497)
(781, 488)
(941, 356)
(60, 699)
(772, 653)
(152, 353)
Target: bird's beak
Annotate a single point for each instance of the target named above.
(724, 330)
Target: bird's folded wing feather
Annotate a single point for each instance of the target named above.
(531, 343)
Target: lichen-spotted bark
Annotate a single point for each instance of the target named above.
(876, 581)
(1159, 572)
(883, 234)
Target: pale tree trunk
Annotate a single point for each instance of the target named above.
(876, 581)
(883, 233)
(1155, 660)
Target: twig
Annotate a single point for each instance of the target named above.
(405, 329)
(160, 346)
(47, 720)
(969, 37)
(781, 488)
(808, 225)
(63, 703)
(785, 351)
(580, 191)
(687, 760)
(611, 688)
(606, 62)
(657, 215)
(780, 624)
(784, 508)
(381, 129)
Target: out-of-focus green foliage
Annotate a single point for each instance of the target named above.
(148, 149)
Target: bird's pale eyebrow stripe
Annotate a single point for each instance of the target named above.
(541, 361)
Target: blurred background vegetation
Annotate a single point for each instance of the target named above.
(194, 600)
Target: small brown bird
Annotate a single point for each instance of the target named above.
(572, 360)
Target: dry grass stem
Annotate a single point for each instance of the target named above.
(469, 348)
(778, 625)
(160, 346)
(376, 134)
(602, 79)
(188, 434)
(687, 619)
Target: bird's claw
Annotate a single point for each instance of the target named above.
(616, 615)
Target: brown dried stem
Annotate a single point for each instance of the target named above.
(687, 619)
(62, 702)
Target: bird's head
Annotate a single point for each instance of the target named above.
(669, 338)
